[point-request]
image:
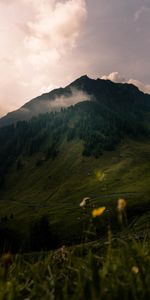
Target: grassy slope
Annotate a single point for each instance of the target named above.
(56, 187)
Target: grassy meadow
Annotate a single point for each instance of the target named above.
(96, 258)
(56, 187)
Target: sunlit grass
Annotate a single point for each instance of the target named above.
(100, 176)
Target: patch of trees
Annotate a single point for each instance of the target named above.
(102, 129)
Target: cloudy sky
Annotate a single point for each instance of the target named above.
(48, 43)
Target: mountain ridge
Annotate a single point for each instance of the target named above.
(94, 88)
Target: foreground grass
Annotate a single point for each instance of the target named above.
(118, 268)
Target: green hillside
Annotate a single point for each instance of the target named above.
(56, 188)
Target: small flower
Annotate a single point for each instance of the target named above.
(121, 205)
(84, 202)
(6, 260)
(135, 269)
(98, 211)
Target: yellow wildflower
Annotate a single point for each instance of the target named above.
(121, 205)
(98, 211)
(135, 269)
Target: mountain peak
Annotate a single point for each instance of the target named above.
(84, 77)
(80, 81)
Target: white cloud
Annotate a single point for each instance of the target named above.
(43, 105)
(54, 30)
(36, 38)
(76, 97)
(143, 87)
(116, 77)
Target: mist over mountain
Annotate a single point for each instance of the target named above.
(82, 89)
(47, 102)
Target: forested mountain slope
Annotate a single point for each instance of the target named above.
(97, 148)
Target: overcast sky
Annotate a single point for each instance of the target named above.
(48, 43)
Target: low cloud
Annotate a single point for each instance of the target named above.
(116, 77)
(47, 105)
(76, 97)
